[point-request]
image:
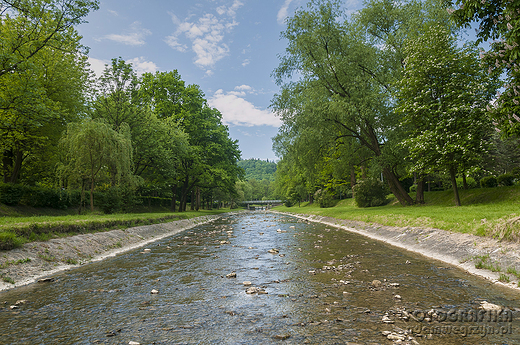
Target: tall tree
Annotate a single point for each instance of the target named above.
(498, 21)
(29, 26)
(442, 97)
(37, 99)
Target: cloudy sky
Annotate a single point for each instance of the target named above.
(227, 47)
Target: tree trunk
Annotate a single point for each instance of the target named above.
(174, 196)
(7, 162)
(454, 185)
(184, 195)
(396, 188)
(352, 177)
(192, 201)
(197, 204)
(464, 182)
(92, 194)
(18, 159)
(419, 196)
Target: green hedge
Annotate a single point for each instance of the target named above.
(11, 194)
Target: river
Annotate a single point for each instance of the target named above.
(309, 284)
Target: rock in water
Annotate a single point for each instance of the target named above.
(376, 283)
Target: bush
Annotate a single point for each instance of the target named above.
(506, 180)
(370, 192)
(488, 182)
(470, 182)
(11, 194)
(288, 203)
(324, 198)
(9, 240)
(110, 200)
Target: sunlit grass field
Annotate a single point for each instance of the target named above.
(485, 212)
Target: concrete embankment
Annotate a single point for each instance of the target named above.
(39, 259)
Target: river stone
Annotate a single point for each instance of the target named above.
(386, 319)
(231, 275)
(395, 336)
(133, 343)
(46, 280)
(376, 283)
(247, 283)
(282, 336)
(154, 292)
(273, 251)
(485, 305)
(147, 250)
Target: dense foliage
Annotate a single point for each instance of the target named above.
(258, 169)
(388, 93)
(125, 136)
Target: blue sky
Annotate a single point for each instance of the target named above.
(227, 47)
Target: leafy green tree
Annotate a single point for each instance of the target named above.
(498, 21)
(29, 26)
(91, 147)
(442, 98)
(345, 91)
(37, 99)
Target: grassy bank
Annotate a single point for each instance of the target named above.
(493, 212)
(26, 227)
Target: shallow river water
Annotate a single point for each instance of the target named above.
(322, 286)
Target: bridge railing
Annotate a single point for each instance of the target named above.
(261, 202)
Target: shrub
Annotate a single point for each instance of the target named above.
(506, 180)
(370, 192)
(9, 240)
(288, 203)
(46, 197)
(110, 200)
(469, 180)
(488, 182)
(324, 198)
(11, 194)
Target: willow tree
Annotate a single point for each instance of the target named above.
(346, 76)
(89, 148)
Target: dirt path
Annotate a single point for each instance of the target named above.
(40, 259)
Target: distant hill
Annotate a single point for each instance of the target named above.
(258, 169)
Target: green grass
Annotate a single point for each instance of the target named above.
(20, 229)
(492, 212)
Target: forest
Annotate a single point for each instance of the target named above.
(69, 138)
(392, 94)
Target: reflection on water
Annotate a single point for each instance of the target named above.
(324, 286)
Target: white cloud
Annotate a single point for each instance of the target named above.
(244, 88)
(238, 111)
(114, 13)
(140, 65)
(206, 35)
(97, 66)
(246, 62)
(134, 37)
(282, 13)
